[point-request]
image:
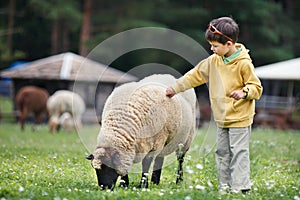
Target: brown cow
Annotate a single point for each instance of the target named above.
(31, 99)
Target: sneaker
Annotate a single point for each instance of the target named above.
(223, 189)
(234, 191)
(245, 191)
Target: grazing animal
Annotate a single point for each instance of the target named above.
(31, 99)
(141, 124)
(66, 121)
(63, 101)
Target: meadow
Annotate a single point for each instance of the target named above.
(40, 165)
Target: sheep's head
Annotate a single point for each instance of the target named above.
(105, 161)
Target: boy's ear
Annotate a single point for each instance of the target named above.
(229, 43)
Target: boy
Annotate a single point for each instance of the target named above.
(233, 88)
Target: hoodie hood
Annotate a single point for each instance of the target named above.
(244, 54)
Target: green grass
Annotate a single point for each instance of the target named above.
(40, 165)
(6, 109)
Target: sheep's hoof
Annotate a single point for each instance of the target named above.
(179, 179)
(143, 183)
(123, 184)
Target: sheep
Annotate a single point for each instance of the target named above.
(141, 124)
(66, 121)
(31, 99)
(64, 101)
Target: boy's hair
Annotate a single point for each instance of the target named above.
(227, 26)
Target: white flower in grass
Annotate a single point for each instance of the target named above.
(199, 166)
(200, 187)
(188, 157)
(295, 188)
(44, 193)
(191, 187)
(209, 184)
(21, 189)
(163, 191)
(296, 197)
(188, 198)
(69, 190)
(189, 170)
(270, 184)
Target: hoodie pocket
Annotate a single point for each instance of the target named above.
(223, 108)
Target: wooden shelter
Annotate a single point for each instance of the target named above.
(92, 80)
(281, 98)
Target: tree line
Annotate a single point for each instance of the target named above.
(33, 29)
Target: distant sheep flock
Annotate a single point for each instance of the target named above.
(64, 108)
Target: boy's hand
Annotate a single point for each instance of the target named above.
(170, 92)
(237, 94)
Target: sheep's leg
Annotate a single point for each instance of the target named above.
(38, 120)
(23, 117)
(145, 167)
(157, 167)
(180, 159)
(124, 182)
(22, 122)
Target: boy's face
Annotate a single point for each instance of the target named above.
(222, 49)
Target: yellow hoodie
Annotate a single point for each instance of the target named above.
(222, 79)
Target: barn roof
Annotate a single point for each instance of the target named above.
(285, 70)
(69, 66)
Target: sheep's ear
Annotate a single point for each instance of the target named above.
(90, 157)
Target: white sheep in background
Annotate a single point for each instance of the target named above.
(140, 123)
(63, 101)
(66, 121)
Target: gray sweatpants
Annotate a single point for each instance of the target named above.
(232, 157)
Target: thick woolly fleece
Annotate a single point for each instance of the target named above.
(65, 101)
(138, 118)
